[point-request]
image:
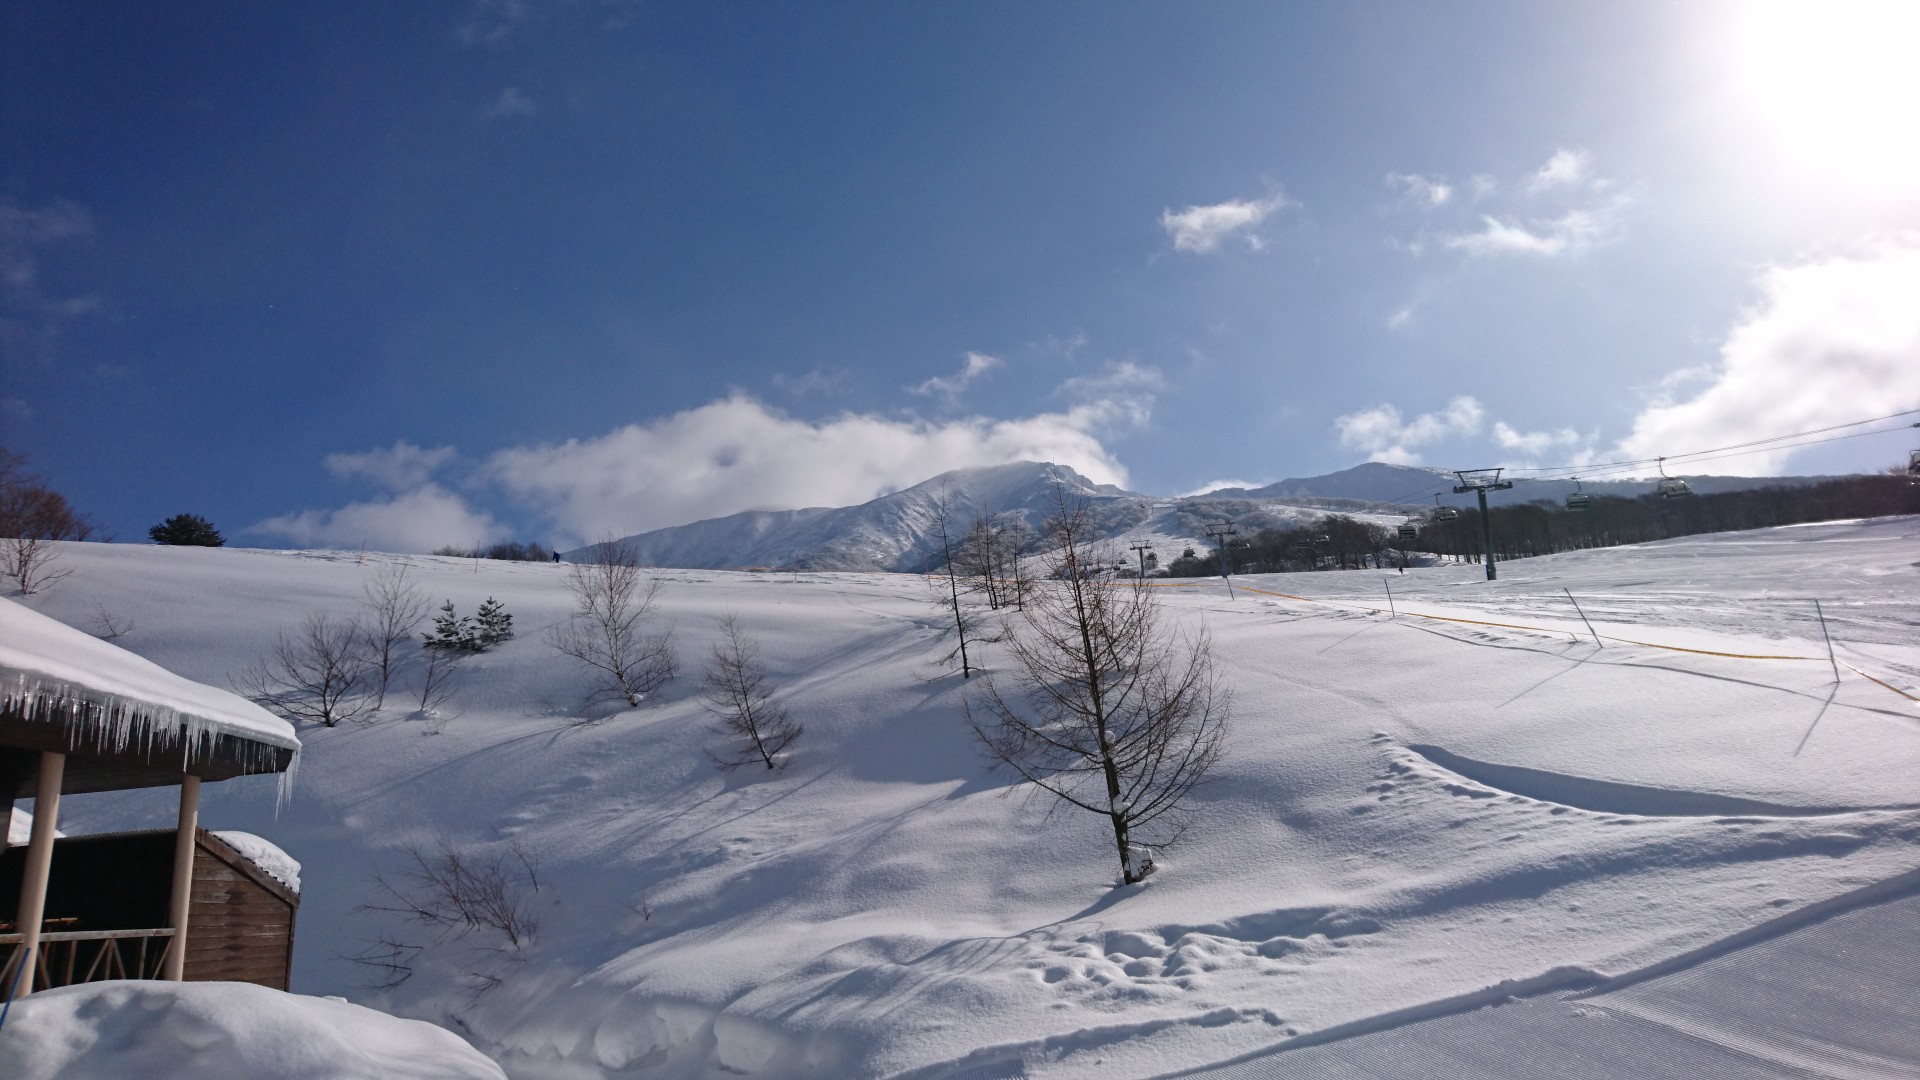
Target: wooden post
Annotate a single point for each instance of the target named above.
(33, 882)
(183, 852)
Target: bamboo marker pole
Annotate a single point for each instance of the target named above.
(1829, 637)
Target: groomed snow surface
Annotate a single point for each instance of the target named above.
(1410, 809)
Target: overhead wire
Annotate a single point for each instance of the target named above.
(1718, 453)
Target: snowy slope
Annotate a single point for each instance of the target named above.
(1410, 809)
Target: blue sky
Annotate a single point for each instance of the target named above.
(429, 273)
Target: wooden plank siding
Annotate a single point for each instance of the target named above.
(240, 925)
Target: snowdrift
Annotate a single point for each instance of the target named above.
(223, 1031)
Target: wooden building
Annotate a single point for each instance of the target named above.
(114, 887)
(79, 715)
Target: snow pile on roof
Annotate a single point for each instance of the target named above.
(223, 1031)
(42, 656)
(264, 854)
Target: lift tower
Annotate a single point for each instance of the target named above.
(1481, 481)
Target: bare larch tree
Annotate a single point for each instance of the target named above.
(989, 558)
(1114, 715)
(610, 632)
(741, 699)
(950, 595)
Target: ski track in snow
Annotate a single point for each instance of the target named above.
(1410, 810)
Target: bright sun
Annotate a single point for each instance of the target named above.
(1837, 83)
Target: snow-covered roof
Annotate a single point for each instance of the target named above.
(47, 665)
(266, 855)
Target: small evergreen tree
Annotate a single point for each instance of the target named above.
(452, 630)
(186, 530)
(470, 633)
(492, 624)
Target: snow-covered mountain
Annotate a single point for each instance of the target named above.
(898, 531)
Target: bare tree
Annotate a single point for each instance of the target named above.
(33, 519)
(968, 625)
(394, 605)
(319, 673)
(454, 894)
(989, 558)
(1114, 715)
(31, 562)
(109, 624)
(436, 678)
(609, 632)
(740, 697)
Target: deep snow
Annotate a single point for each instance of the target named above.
(222, 1031)
(1410, 809)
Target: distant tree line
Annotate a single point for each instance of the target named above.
(510, 551)
(1542, 528)
(1333, 542)
(1338, 542)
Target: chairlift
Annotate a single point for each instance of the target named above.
(1913, 465)
(1670, 487)
(1443, 513)
(1578, 500)
(1408, 531)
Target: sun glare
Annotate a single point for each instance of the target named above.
(1837, 84)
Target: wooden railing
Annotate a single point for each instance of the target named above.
(68, 957)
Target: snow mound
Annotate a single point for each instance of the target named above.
(223, 1031)
(264, 854)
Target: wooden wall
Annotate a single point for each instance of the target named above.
(240, 927)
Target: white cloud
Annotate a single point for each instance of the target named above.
(951, 386)
(1382, 433)
(820, 380)
(1572, 233)
(1200, 229)
(398, 467)
(511, 102)
(492, 23)
(1429, 191)
(31, 314)
(1572, 447)
(1121, 393)
(737, 454)
(423, 519)
(1565, 168)
(1832, 339)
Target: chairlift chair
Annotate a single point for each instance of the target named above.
(1408, 531)
(1670, 487)
(1913, 464)
(1578, 500)
(1443, 513)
